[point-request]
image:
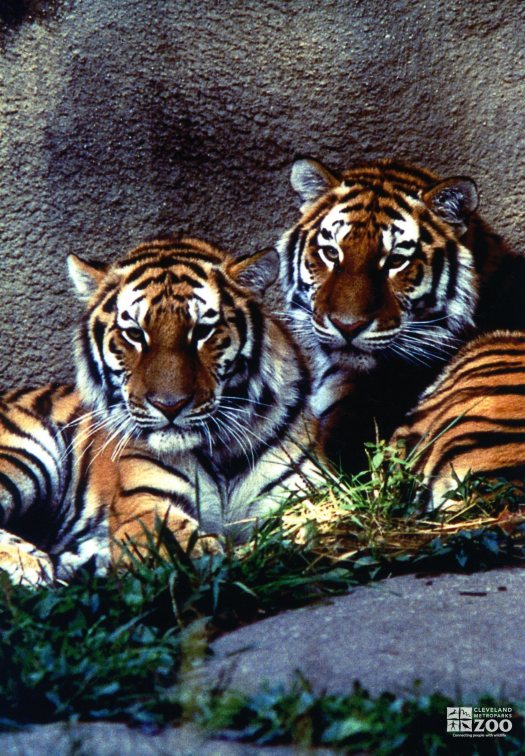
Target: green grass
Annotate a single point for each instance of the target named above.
(373, 523)
(111, 648)
(356, 722)
(120, 647)
(98, 649)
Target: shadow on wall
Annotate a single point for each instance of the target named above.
(13, 13)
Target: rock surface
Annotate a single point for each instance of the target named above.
(124, 120)
(462, 635)
(103, 739)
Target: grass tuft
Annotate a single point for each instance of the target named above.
(375, 522)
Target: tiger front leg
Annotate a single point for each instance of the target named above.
(137, 522)
(23, 562)
(31, 482)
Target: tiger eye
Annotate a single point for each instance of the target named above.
(135, 335)
(202, 330)
(331, 253)
(396, 261)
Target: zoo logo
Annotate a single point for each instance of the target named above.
(481, 721)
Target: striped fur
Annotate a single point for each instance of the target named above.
(189, 406)
(472, 419)
(385, 274)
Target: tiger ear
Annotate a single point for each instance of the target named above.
(257, 271)
(86, 276)
(311, 179)
(453, 200)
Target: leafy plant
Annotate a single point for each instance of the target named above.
(356, 722)
(374, 523)
(95, 649)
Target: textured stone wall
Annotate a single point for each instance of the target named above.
(121, 119)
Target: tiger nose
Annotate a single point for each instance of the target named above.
(168, 405)
(350, 330)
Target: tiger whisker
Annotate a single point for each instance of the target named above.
(204, 425)
(86, 433)
(109, 423)
(421, 356)
(300, 306)
(221, 437)
(409, 356)
(124, 440)
(120, 426)
(428, 322)
(426, 342)
(240, 410)
(237, 432)
(90, 414)
(431, 352)
(238, 438)
(242, 426)
(445, 335)
(221, 426)
(246, 399)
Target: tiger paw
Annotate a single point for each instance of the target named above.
(24, 563)
(206, 545)
(144, 536)
(186, 531)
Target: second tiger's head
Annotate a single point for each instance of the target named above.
(377, 263)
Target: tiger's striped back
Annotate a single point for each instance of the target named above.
(386, 272)
(189, 407)
(472, 419)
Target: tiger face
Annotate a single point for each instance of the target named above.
(376, 266)
(166, 330)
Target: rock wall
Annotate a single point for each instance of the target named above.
(122, 120)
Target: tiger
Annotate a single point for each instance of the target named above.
(387, 272)
(471, 420)
(189, 408)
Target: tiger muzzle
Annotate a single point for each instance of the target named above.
(170, 406)
(350, 330)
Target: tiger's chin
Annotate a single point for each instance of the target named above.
(350, 357)
(362, 362)
(173, 441)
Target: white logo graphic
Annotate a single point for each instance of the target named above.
(459, 719)
(482, 721)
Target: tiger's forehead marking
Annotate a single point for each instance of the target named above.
(402, 234)
(190, 301)
(333, 229)
(334, 226)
